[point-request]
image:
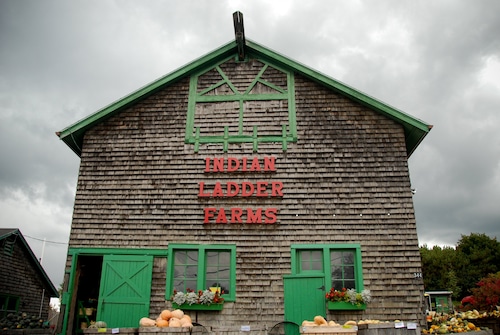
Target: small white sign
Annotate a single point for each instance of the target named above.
(245, 328)
(411, 325)
(115, 331)
(400, 324)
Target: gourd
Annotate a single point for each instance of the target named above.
(147, 322)
(174, 322)
(162, 323)
(186, 321)
(166, 314)
(101, 324)
(319, 320)
(177, 313)
(186, 317)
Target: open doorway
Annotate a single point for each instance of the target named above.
(86, 291)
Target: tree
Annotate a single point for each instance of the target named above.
(438, 269)
(477, 256)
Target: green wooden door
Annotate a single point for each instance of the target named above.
(304, 297)
(125, 290)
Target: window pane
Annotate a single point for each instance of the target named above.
(185, 270)
(311, 260)
(343, 269)
(218, 269)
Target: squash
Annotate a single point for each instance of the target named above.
(174, 322)
(332, 323)
(101, 324)
(307, 323)
(350, 323)
(177, 313)
(162, 323)
(147, 322)
(166, 314)
(186, 321)
(319, 320)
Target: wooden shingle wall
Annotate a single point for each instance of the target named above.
(346, 180)
(20, 278)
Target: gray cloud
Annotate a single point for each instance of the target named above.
(60, 61)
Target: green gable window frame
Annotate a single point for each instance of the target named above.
(339, 263)
(200, 266)
(288, 131)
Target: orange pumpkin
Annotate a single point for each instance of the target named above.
(162, 323)
(166, 314)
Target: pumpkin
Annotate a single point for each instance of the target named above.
(186, 321)
(174, 322)
(177, 313)
(166, 314)
(186, 318)
(147, 322)
(162, 323)
(101, 324)
(187, 325)
(319, 320)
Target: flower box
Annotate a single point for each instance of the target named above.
(346, 306)
(198, 307)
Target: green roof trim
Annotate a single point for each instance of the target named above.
(415, 129)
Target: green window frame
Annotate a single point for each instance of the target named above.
(199, 267)
(340, 263)
(8, 304)
(288, 131)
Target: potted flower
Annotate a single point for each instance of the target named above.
(347, 299)
(207, 300)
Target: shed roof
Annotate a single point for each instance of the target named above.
(415, 129)
(5, 233)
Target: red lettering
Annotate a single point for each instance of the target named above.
(255, 164)
(271, 215)
(247, 192)
(207, 164)
(218, 164)
(236, 214)
(269, 164)
(217, 190)
(232, 189)
(276, 188)
(201, 194)
(209, 213)
(233, 164)
(261, 189)
(221, 217)
(244, 164)
(254, 218)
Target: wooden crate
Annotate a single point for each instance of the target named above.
(122, 331)
(328, 330)
(389, 328)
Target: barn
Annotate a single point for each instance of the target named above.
(247, 175)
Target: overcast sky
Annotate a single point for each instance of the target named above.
(438, 61)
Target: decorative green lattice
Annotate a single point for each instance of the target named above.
(251, 102)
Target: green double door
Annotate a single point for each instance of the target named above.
(304, 297)
(125, 289)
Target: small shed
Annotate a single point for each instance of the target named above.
(24, 285)
(439, 301)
